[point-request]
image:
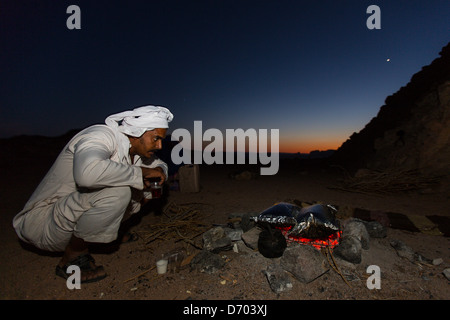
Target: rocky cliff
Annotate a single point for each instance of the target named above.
(411, 131)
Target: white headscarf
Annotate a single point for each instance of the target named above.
(135, 122)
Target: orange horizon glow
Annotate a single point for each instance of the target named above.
(311, 144)
(308, 147)
(288, 143)
(295, 147)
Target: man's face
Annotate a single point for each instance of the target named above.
(148, 143)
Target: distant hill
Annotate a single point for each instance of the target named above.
(30, 148)
(316, 154)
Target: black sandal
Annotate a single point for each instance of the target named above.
(132, 237)
(85, 262)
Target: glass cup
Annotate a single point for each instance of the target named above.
(174, 258)
(156, 190)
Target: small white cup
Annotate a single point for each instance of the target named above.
(161, 266)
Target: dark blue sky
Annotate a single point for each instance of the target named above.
(311, 69)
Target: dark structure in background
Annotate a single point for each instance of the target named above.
(412, 129)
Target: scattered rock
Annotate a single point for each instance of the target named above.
(223, 244)
(357, 229)
(278, 279)
(234, 234)
(246, 250)
(212, 235)
(375, 229)
(446, 273)
(408, 253)
(251, 237)
(349, 249)
(345, 265)
(247, 222)
(403, 250)
(235, 219)
(208, 262)
(215, 240)
(380, 217)
(304, 262)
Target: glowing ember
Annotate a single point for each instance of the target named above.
(319, 243)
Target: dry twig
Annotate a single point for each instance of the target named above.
(179, 222)
(389, 181)
(328, 253)
(140, 274)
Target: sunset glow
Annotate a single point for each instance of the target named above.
(314, 71)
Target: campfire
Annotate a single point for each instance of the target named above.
(326, 242)
(314, 225)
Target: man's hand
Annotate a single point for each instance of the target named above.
(152, 173)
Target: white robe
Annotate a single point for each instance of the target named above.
(95, 159)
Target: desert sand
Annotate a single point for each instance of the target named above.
(27, 274)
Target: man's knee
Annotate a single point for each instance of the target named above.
(115, 199)
(101, 222)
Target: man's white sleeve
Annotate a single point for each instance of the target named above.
(93, 168)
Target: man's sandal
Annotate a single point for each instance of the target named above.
(87, 264)
(130, 237)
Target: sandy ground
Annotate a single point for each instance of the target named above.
(28, 274)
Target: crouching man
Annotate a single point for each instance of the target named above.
(98, 180)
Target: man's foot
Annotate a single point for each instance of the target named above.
(89, 271)
(129, 237)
